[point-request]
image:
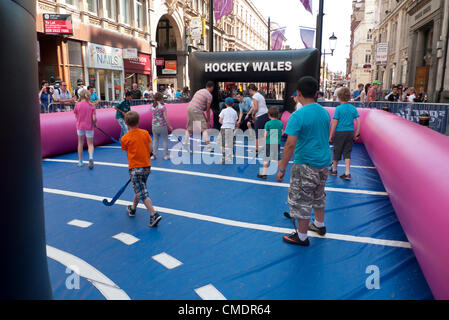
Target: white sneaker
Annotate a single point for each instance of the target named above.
(80, 164)
(166, 157)
(209, 148)
(153, 157)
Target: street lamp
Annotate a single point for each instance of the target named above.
(333, 45)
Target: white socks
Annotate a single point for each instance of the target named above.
(318, 224)
(91, 156)
(302, 236)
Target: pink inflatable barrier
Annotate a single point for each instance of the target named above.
(412, 162)
(58, 130)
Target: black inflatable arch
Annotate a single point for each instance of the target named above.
(286, 66)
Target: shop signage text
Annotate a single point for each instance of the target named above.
(245, 66)
(104, 57)
(142, 64)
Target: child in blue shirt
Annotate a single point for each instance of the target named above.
(343, 129)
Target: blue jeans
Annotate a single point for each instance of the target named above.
(124, 127)
(160, 132)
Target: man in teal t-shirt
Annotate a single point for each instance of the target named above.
(122, 109)
(273, 134)
(308, 138)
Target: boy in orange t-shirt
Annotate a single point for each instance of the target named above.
(137, 144)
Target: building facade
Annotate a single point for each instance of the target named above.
(104, 30)
(414, 37)
(363, 21)
(244, 29)
(94, 52)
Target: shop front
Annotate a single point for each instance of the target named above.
(138, 71)
(167, 71)
(105, 70)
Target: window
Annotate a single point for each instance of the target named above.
(71, 2)
(125, 11)
(367, 58)
(75, 53)
(92, 6)
(139, 14)
(111, 9)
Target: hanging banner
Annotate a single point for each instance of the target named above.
(196, 28)
(307, 37)
(277, 39)
(222, 8)
(307, 5)
(382, 54)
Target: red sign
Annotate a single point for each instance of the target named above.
(58, 24)
(159, 62)
(141, 65)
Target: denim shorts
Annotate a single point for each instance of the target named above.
(88, 133)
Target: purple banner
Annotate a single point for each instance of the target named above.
(277, 38)
(307, 5)
(307, 37)
(223, 8)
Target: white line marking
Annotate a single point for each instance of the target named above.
(221, 177)
(80, 223)
(126, 238)
(239, 157)
(105, 285)
(240, 224)
(167, 260)
(209, 292)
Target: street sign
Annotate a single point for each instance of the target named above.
(196, 28)
(58, 24)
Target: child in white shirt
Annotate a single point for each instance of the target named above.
(228, 120)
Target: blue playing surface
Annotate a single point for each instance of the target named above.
(241, 262)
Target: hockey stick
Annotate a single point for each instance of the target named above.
(119, 193)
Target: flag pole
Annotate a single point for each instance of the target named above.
(319, 34)
(269, 46)
(211, 25)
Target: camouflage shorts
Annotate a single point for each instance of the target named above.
(306, 191)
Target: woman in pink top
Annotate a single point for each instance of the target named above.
(85, 120)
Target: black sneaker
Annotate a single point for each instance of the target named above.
(154, 220)
(262, 176)
(294, 239)
(131, 212)
(91, 164)
(346, 177)
(332, 172)
(287, 215)
(321, 231)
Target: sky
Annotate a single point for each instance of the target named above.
(291, 14)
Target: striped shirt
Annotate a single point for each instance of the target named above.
(200, 100)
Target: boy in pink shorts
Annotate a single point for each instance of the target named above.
(85, 120)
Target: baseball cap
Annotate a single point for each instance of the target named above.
(229, 101)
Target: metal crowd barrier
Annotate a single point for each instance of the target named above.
(67, 107)
(411, 111)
